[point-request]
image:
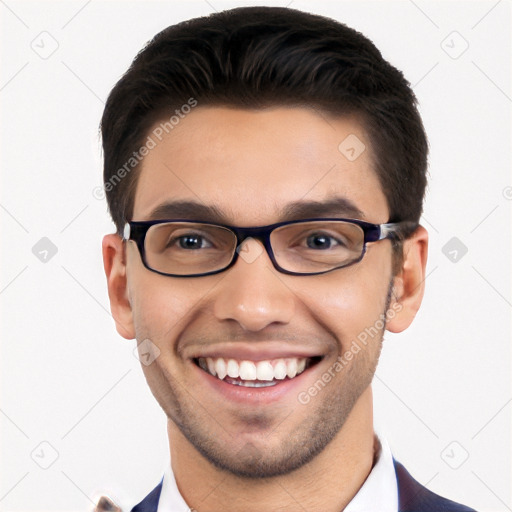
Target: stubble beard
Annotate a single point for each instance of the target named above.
(298, 446)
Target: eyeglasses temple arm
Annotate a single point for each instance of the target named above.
(126, 232)
(397, 230)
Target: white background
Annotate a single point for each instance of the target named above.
(443, 388)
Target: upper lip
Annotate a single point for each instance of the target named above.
(254, 351)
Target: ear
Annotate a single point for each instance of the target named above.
(409, 282)
(114, 262)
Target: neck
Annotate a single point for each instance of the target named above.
(326, 483)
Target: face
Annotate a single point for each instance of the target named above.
(254, 168)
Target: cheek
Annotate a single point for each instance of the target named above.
(163, 307)
(350, 300)
(158, 307)
(159, 303)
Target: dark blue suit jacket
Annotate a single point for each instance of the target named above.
(412, 497)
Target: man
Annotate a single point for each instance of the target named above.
(265, 169)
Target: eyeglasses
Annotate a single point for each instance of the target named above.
(187, 248)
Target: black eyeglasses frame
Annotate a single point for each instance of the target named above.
(137, 230)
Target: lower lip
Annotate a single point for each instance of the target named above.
(263, 395)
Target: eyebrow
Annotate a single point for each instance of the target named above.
(302, 209)
(333, 207)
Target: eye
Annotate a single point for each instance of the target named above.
(190, 241)
(322, 241)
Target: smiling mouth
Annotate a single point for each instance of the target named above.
(256, 374)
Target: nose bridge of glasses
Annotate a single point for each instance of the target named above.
(258, 233)
(249, 251)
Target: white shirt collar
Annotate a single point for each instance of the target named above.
(380, 487)
(170, 497)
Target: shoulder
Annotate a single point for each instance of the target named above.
(413, 497)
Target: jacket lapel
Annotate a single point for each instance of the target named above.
(413, 497)
(150, 502)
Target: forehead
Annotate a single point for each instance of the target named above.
(251, 165)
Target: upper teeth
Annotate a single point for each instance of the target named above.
(254, 370)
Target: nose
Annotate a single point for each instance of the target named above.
(252, 293)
